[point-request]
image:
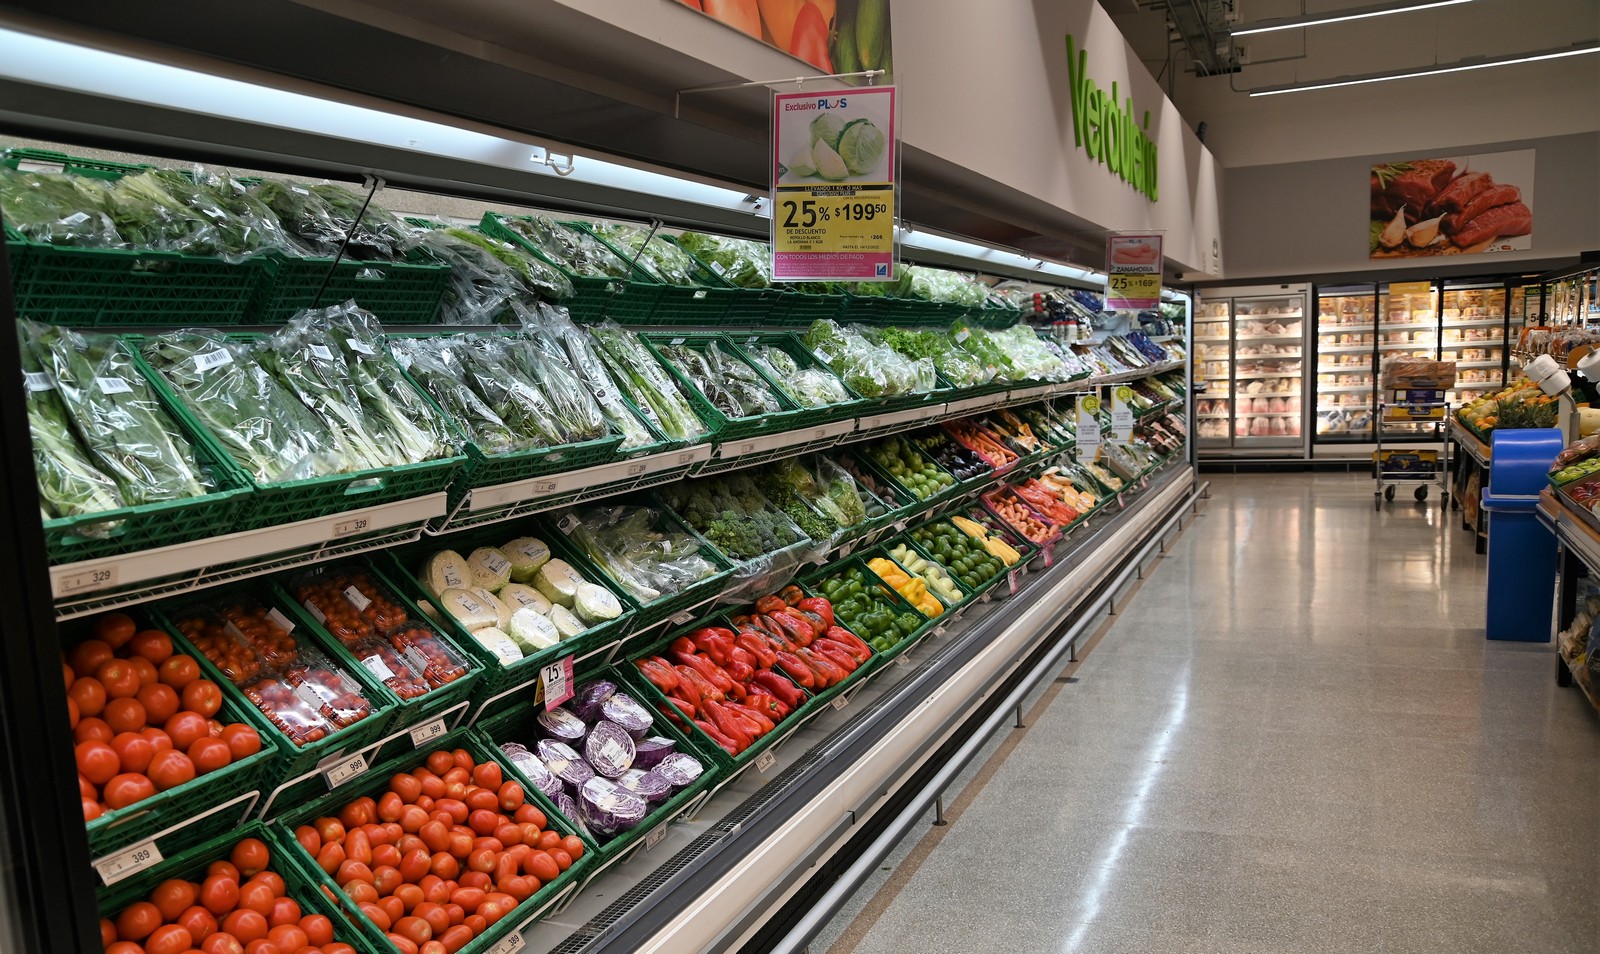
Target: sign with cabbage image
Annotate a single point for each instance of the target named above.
(835, 36)
(834, 185)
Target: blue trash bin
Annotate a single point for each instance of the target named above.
(1522, 551)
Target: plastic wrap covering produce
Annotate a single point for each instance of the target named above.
(732, 387)
(892, 497)
(640, 549)
(660, 259)
(850, 503)
(321, 216)
(59, 209)
(960, 367)
(732, 513)
(795, 490)
(551, 327)
(1016, 354)
(70, 483)
(740, 262)
(116, 420)
(487, 276)
(647, 383)
(580, 252)
(807, 387)
(870, 370)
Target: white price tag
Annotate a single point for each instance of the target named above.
(682, 618)
(676, 341)
(548, 486)
(426, 732)
(510, 944)
(309, 695)
(416, 659)
(359, 346)
(686, 458)
(113, 386)
(1011, 581)
(654, 837)
(496, 563)
(56, 168)
(38, 381)
(635, 470)
(346, 528)
(765, 761)
(346, 769)
(839, 702)
(378, 668)
(568, 523)
(357, 598)
(557, 679)
(127, 862)
(276, 617)
(315, 611)
(212, 359)
(84, 581)
(322, 352)
(904, 659)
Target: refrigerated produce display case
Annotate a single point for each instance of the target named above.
(1345, 343)
(1255, 383)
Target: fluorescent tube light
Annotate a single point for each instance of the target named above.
(1318, 19)
(1460, 67)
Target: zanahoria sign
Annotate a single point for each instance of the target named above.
(1107, 131)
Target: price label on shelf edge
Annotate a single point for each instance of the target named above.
(510, 944)
(557, 681)
(654, 838)
(84, 581)
(834, 188)
(427, 732)
(127, 862)
(345, 769)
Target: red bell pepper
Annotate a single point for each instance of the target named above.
(767, 705)
(786, 691)
(740, 672)
(792, 595)
(835, 654)
(827, 668)
(770, 604)
(659, 672)
(796, 628)
(736, 691)
(729, 724)
(713, 643)
(762, 721)
(839, 634)
(798, 670)
(765, 655)
(683, 644)
(818, 606)
(684, 709)
(698, 687)
(716, 735)
(705, 667)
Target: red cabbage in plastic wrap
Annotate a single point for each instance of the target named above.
(563, 762)
(534, 769)
(568, 807)
(679, 769)
(625, 711)
(609, 749)
(649, 786)
(608, 809)
(585, 704)
(650, 751)
(563, 726)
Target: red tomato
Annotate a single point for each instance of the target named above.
(222, 943)
(224, 868)
(108, 932)
(455, 938)
(168, 939)
(378, 916)
(331, 830)
(114, 629)
(208, 755)
(171, 769)
(284, 911)
(202, 696)
(256, 896)
(308, 839)
(186, 728)
(67, 674)
(134, 751)
(572, 845)
(91, 810)
(408, 787)
(126, 789)
(178, 671)
(119, 678)
(124, 947)
(262, 946)
(541, 866)
(219, 894)
(246, 924)
(152, 644)
(97, 762)
(88, 655)
(138, 920)
(288, 937)
(146, 670)
(402, 944)
(512, 796)
(160, 703)
(414, 929)
(319, 930)
(125, 715)
(73, 715)
(197, 921)
(89, 695)
(271, 879)
(330, 857)
(242, 740)
(487, 775)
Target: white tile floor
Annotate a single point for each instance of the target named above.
(1294, 739)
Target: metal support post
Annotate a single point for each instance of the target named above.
(938, 812)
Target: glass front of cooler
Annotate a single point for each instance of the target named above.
(1346, 344)
(1408, 327)
(1473, 335)
(1268, 371)
(1213, 336)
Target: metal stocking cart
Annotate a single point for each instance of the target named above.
(1417, 468)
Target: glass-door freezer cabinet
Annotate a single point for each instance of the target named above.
(1254, 369)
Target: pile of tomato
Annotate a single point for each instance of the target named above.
(143, 719)
(239, 907)
(447, 850)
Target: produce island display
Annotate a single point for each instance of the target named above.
(596, 572)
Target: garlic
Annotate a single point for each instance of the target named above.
(1395, 232)
(1425, 233)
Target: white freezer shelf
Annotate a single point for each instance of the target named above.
(1266, 375)
(1338, 388)
(1477, 364)
(1344, 348)
(1473, 322)
(1486, 343)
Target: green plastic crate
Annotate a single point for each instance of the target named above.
(725, 429)
(797, 309)
(502, 686)
(972, 592)
(595, 299)
(46, 160)
(293, 500)
(862, 454)
(376, 782)
(744, 345)
(963, 595)
(191, 866)
(293, 761)
(704, 304)
(520, 725)
(813, 584)
(746, 307)
(398, 293)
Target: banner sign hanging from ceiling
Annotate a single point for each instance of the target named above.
(834, 185)
(1133, 271)
(835, 36)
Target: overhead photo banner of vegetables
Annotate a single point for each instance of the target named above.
(1453, 206)
(835, 36)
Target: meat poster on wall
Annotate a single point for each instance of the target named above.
(1454, 206)
(835, 36)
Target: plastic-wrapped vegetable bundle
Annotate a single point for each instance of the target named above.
(322, 215)
(432, 364)
(537, 278)
(733, 514)
(870, 370)
(575, 410)
(937, 284)
(740, 262)
(129, 435)
(258, 224)
(732, 387)
(555, 332)
(851, 504)
(1037, 359)
(150, 216)
(69, 483)
(793, 490)
(661, 260)
(630, 544)
(59, 209)
(581, 253)
(488, 367)
(652, 391)
(300, 358)
(481, 286)
(261, 423)
(807, 387)
(961, 368)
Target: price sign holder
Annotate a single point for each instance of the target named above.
(427, 732)
(765, 761)
(1088, 426)
(1122, 413)
(557, 681)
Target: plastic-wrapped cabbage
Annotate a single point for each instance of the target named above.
(579, 252)
(662, 261)
(807, 387)
(59, 209)
(870, 370)
(740, 262)
(942, 285)
(640, 550)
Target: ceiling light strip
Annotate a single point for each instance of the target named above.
(1362, 13)
(1461, 67)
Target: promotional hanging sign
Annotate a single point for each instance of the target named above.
(1122, 413)
(834, 170)
(1088, 426)
(1133, 271)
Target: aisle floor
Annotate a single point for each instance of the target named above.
(1293, 738)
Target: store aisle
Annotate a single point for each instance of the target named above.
(1293, 739)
